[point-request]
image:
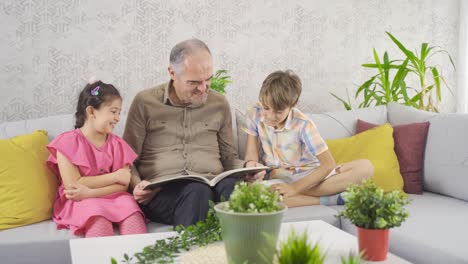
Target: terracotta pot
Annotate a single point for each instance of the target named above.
(373, 243)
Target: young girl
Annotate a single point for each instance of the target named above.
(94, 169)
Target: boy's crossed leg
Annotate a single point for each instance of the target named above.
(328, 191)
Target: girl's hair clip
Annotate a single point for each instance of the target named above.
(95, 91)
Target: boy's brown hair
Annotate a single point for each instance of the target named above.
(280, 90)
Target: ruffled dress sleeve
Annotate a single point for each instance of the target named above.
(123, 154)
(71, 146)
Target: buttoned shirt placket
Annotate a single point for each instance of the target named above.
(186, 137)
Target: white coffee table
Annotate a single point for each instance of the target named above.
(332, 240)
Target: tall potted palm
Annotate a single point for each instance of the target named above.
(374, 212)
(250, 223)
(389, 84)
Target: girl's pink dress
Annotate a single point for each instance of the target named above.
(91, 160)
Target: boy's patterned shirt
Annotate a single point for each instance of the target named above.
(291, 150)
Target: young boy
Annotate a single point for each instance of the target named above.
(283, 138)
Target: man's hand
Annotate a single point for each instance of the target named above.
(284, 189)
(122, 176)
(78, 192)
(257, 176)
(144, 196)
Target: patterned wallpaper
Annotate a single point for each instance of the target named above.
(49, 49)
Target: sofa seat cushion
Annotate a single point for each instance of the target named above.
(314, 212)
(47, 231)
(435, 231)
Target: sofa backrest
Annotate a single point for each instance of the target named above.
(54, 125)
(330, 124)
(446, 155)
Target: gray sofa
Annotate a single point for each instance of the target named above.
(435, 232)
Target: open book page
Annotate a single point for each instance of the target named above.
(209, 180)
(237, 173)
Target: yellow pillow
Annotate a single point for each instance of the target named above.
(375, 145)
(27, 186)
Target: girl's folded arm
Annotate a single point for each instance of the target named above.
(70, 174)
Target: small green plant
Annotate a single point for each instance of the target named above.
(389, 86)
(253, 198)
(367, 206)
(165, 250)
(351, 259)
(297, 250)
(220, 80)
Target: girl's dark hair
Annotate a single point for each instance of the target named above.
(94, 97)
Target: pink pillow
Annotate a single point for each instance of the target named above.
(410, 144)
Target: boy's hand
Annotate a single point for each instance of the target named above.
(257, 176)
(78, 192)
(144, 196)
(284, 189)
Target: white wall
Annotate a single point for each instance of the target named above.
(49, 49)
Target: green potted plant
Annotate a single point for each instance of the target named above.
(250, 223)
(220, 80)
(351, 259)
(373, 212)
(389, 83)
(296, 249)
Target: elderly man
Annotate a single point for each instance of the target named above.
(181, 127)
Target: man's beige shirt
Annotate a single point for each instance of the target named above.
(175, 140)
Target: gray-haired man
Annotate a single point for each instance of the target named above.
(180, 127)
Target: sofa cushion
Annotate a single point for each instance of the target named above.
(54, 125)
(410, 144)
(342, 124)
(446, 156)
(27, 186)
(47, 231)
(375, 145)
(435, 231)
(314, 212)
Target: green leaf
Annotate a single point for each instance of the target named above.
(165, 250)
(425, 51)
(400, 75)
(365, 85)
(220, 80)
(253, 198)
(297, 250)
(435, 75)
(367, 206)
(408, 53)
(347, 105)
(373, 65)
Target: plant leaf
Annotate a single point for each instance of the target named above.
(435, 75)
(407, 52)
(347, 105)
